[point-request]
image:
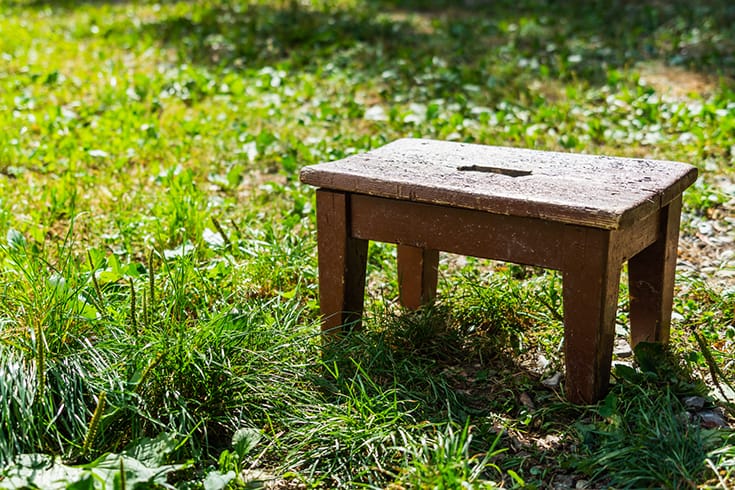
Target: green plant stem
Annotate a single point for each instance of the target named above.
(94, 423)
(133, 320)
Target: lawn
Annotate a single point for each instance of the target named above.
(159, 323)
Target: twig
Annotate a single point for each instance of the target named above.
(714, 369)
(221, 232)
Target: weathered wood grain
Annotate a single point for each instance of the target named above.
(598, 191)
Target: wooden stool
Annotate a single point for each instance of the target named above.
(583, 215)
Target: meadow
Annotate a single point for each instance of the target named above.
(159, 322)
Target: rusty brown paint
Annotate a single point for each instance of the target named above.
(591, 275)
(461, 231)
(580, 214)
(651, 281)
(417, 275)
(342, 263)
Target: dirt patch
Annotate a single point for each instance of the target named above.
(675, 81)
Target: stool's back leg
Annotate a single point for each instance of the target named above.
(417, 275)
(591, 278)
(651, 281)
(342, 263)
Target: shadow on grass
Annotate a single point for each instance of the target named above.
(446, 46)
(73, 4)
(238, 35)
(435, 362)
(647, 433)
(444, 51)
(474, 40)
(642, 435)
(695, 35)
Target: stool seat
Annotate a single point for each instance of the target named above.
(583, 215)
(599, 191)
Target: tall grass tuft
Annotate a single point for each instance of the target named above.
(18, 416)
(445, 458)
(646, 439)
(721, 464)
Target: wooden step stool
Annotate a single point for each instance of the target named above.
(580, 214)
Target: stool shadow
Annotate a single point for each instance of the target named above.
(447, 372)
(427, 364)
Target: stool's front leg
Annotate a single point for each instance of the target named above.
(591, 278)
(417, 275)
(651, 280)
(342, 263)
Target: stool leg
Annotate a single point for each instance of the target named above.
(591, 280)
(651, 281)
(342, 263)
(417, 275)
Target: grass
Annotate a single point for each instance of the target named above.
(159, 312)
(647, 443)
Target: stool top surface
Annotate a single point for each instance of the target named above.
(598, 191)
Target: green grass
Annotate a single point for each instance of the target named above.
(158, 306)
